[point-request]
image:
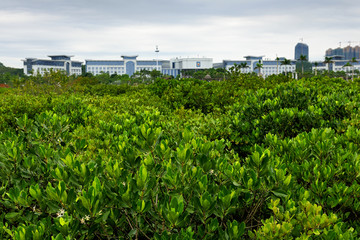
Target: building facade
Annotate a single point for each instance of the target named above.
(337, 65)
(269, 67)
(301, 49)
(33, 66)
(346, 53)
(130, 64)
(191, 63)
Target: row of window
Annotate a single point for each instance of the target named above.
(270, 69)
(48, 69)
(280, 67)
(108, 69)
(57, 69)
(110, 72)
(346, 68)
(147, 68)
(275, 70)
(105, 69)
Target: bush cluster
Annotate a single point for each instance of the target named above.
(245, 158)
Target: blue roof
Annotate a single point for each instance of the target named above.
(253, 57)
(129, 57)
(60, 57)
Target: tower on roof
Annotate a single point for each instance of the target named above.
(301, 49)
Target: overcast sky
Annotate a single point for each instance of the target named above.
(226, 29)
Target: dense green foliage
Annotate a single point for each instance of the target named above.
(7, 73)
(245, 158)
(12, 71)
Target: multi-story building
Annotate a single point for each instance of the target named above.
(301, 49)
(337, 65)
(56, 63)
(183, 65)
(346, 53)
(191, 63)
(335, 52)
(250, 62)
(130, 64)
(269, 67)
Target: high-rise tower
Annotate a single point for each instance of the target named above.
(346, 53)
(301, 49)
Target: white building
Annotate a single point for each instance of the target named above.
(337, 65)
(130, 64)
(56, 63)
(269, 67)
(191, 63)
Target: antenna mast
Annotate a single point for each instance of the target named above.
(157, 58)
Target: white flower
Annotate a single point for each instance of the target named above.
(87, 217)
(82, 221)
(60, 213)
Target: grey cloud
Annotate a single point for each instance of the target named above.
(219, 29)
(112, 11)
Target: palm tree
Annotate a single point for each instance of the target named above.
(243, 65)
(259, 66)
(277, 64)
(353, 60)
(235, 69)
(316, 64)
(285, 62)
(348, 64)
(302, 59)
(328, 61)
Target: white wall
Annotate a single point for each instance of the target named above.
(43, 69)
(118, 69)
(192, 63)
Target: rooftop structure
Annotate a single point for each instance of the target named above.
(250, 58)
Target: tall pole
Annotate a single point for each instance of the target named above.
(157, 58)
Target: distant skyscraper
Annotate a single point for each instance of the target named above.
(346, 53)
(301, 49)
